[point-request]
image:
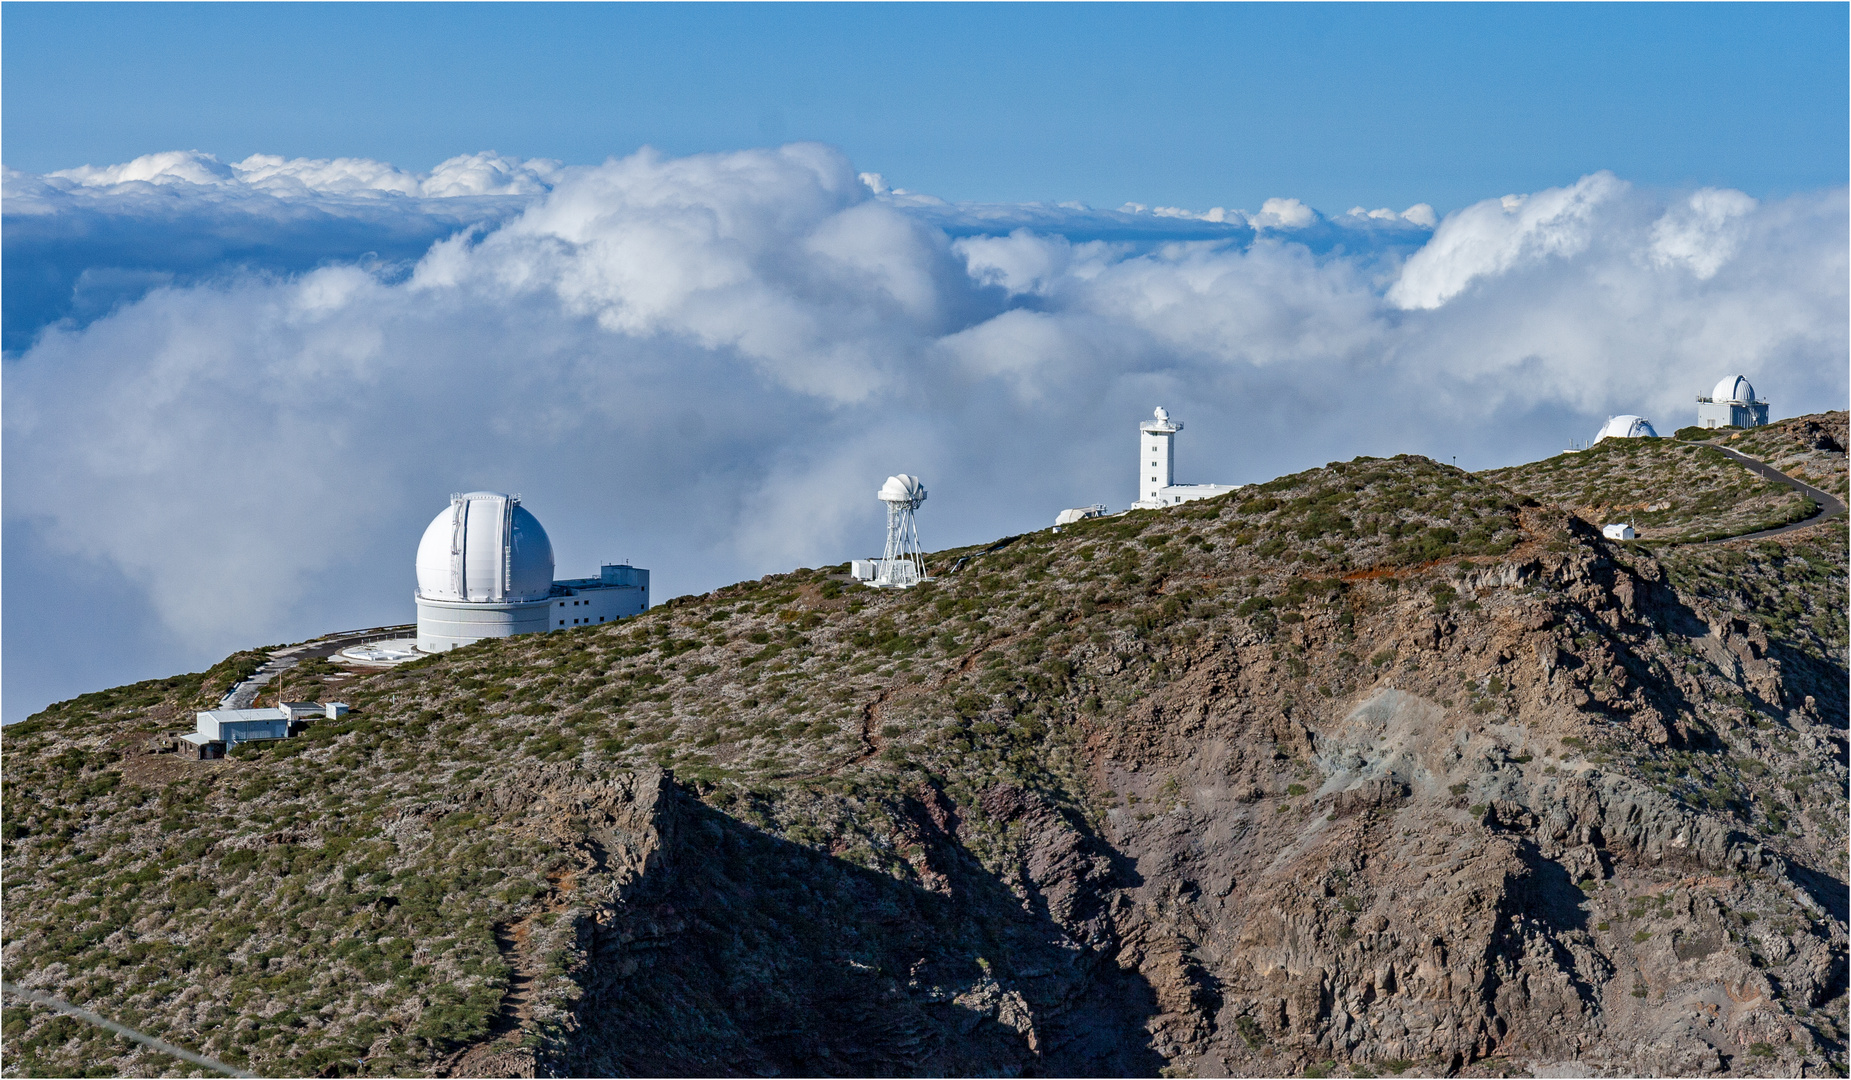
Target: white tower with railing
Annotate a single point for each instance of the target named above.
(1157, 456)
(1157, 484)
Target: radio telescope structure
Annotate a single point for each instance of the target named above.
(903, 563)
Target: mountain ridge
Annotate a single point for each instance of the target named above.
(1382, 764)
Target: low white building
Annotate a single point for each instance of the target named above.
(1618, 532)
(217, 730)
(1731, 404)
(899, 572)
(302, 713)
(485, 569)
(1157, 484)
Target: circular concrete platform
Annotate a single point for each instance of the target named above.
(381, 653)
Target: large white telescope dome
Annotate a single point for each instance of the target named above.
(485, 548)
(1627, 427)
(1735, 388)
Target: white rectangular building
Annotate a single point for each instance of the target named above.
(231, 726)
(217, 730)
(618, 592)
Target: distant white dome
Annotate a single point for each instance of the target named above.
(1734, 388)
(485, 548)
(1627, 427)
(1162, 414)
(902, 489)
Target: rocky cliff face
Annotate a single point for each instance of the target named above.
(1378, 766)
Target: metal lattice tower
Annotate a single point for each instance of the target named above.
(903, 563)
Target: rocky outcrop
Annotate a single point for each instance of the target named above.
(1385, 877)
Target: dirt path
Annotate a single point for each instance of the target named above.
(525, 965)
(872, 742)
(511, 941)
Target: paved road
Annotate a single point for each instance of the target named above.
(244, 695)
(1829, 505)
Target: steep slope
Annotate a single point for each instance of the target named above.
(1382, 765)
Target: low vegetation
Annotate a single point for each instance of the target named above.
(1666, 489)
(303, 904)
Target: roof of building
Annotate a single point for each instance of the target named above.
(1627, 427)
(1736, 389)
(234, 716)
(485, 547)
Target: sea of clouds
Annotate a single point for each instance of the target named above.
(235, 393)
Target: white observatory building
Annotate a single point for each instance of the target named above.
(1731, 404)
(1626, 427)
(1157, 467)
(485, 569)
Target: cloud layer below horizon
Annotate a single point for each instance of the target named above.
(237, 392)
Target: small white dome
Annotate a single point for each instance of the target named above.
(1626, 427)
(485, 548)
(1162, 414)
(902, 489)
(1734, 388)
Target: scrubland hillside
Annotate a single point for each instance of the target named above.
(1383, 768)
(1686, 490)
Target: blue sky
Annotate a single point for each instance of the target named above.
(279, 278)
(1191, 105)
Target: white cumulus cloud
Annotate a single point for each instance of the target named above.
(1702, 232)
(1284, 214)
(1496, 235)
(484, 173)
(709, 363)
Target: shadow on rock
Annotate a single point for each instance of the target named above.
(739, 953)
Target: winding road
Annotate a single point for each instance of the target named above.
(1830, 506)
